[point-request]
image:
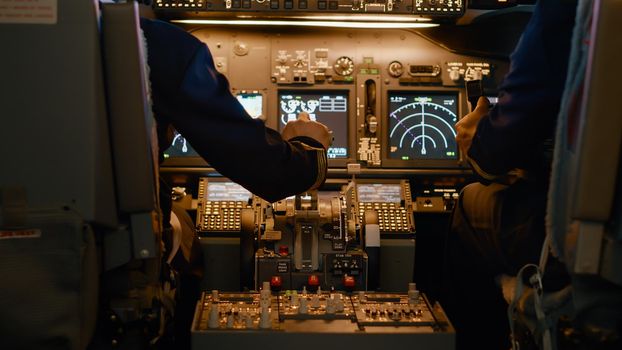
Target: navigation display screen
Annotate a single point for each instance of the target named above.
(391, 193)
(252, 103)
(421, 125)
(327, 107)
(226, 191)
(180, 147)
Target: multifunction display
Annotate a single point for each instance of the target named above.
(180, 147)
(226, 191)
(327, 107)
(382, 193)
(421, 125)
(252, 103)
(220, 205)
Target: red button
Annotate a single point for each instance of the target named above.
(349, 281)
(313, 281)
(283, 250)
(276, 282)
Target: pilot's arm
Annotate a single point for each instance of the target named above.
(191, 95)
(512, 134)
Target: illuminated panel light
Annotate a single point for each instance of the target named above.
(365, 18)
(330, 24)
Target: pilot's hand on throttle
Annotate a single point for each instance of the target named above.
(304, 126)
(467, 126)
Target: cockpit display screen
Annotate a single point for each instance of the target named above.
(180, 147)
(327, 107)
(252, 103)
(421, 125)
(226, 191)
(384, 193)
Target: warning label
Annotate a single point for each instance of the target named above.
(28, 11)
(16, 234)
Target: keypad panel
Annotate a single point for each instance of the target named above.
(391, 216)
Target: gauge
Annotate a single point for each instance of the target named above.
(344, 66)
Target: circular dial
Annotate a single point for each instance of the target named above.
(344, 66)
(421, 127)
(396, 69)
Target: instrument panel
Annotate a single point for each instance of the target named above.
(269, 310)
(391, 200)
(219, 205)
(303, 320)
(390, 97)
(221, 201)
(434, 8)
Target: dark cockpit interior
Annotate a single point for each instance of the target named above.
(165, 183)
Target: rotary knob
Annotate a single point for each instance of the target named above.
(396, 69)
(240, 48)
(344, 66)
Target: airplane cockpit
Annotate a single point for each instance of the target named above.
(117, 232)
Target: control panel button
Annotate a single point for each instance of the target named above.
(313, 281)
(349, 281)
(283, 250)
(276, 283)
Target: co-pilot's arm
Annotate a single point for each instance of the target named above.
(190, 94)
(244, 149)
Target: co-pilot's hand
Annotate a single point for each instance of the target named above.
(304, 126)
(466, 127)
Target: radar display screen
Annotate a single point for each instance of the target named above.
(252, 103)
(421, 125)
(226, 191)
(327, 107)
(384, 193)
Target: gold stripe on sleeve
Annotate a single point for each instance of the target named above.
(480, 172)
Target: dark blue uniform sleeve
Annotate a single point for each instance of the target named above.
(513, 133)
(191, 95)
